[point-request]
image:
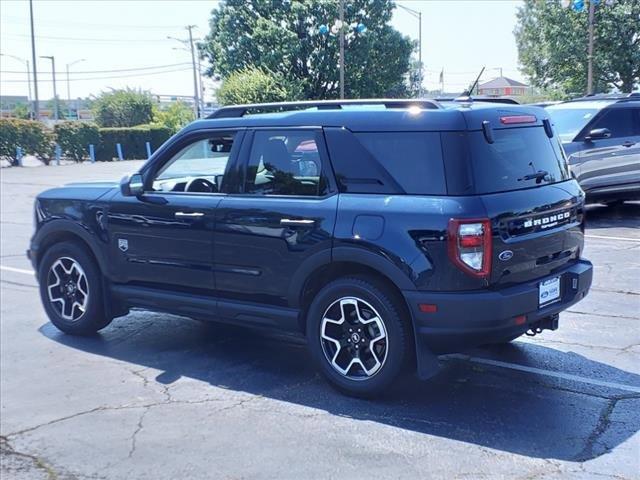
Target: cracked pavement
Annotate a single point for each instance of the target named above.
(157, 396)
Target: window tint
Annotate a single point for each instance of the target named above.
(285, 163)
(619, 121)
(507, 164)
(198, 167)
(413, 159)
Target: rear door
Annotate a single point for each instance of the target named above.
(536, 219)
(282, 215)
(613, 161)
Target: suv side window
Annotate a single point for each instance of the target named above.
(197, 168)
(414, 159)
(619, 121)
(285, 162)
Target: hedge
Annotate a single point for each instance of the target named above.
(74, 138)
(132, 140)
(33, 137)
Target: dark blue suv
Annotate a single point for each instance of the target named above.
(386, 232)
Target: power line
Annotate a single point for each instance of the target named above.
(63, 23)
(91, 40)
(153, 67)
(107, 77)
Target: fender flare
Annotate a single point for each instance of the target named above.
(345, 254)
(55, 227)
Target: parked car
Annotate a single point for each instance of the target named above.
(601, 136)
(385, 232)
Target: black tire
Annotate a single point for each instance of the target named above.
(91, 318)
(373, 295)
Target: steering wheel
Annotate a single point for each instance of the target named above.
(200, 185)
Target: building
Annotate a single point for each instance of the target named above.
(501, 87)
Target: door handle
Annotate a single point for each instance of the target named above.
(290, 222)
(628, 144)
(189, 214)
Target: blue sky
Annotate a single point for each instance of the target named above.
(459, 36)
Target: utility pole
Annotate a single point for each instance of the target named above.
(56, 106)
(36, 105)
(196, 96)
(592, 7)
(341, 49)
(417, 14)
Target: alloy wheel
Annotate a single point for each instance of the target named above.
(354, 338)
(68, 288)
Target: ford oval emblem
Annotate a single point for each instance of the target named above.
(506, 255)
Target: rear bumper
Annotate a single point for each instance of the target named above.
(468, 319)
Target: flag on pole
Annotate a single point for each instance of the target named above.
(442, 76)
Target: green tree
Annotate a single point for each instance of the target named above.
(552, 45)
(175, 116)
(283, 37)
(21, 111)
(123, 108)
(255, 85)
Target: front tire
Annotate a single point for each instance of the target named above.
(71, 289)
(357, 336)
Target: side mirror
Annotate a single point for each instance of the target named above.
(598, 134)
(132, 186)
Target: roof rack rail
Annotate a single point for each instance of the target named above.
(634, 96)
(236, 111)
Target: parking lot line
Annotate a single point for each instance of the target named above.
(16, 270)
(548, 373)
(625, 239)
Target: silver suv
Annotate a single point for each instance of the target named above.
(601, 137)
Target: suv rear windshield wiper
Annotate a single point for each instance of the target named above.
(539, 176)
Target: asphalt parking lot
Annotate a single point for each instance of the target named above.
(156, 396)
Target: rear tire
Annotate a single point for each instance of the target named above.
(71, 289)
(357, 337)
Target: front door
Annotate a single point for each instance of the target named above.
(164, 238)
(282, 215)
(613, 161)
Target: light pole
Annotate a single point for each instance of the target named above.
(340, 29)
(36, 104)
(417, 14)
(55, 91)
(26, 62)
(69, 88)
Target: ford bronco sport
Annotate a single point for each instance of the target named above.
(386, 232)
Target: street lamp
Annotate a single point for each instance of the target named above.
(26, 62)
(55, 91)
(416, 14)
(69, 89)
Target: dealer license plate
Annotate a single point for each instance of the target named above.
(549, 291)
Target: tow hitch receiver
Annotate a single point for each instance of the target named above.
(547, 323)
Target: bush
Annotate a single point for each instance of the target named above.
(33, 137)
(132, 140)
(74, 138)
(123, 108)
(254, 85)
(175, 116)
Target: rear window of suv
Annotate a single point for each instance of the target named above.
(516, 154)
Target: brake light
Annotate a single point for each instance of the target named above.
(469, 243)
(515, 119)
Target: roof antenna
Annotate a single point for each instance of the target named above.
(467, 93)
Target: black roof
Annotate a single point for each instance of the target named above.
(369, 116)
(622, 97)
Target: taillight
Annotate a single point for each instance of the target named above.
(516, 119)
(470, 245)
